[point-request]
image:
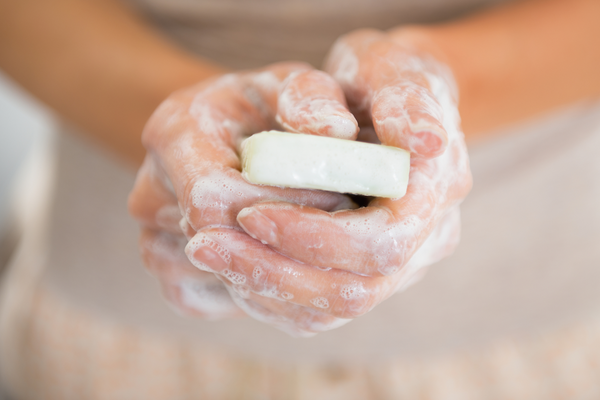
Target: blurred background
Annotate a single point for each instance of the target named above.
(25, 124)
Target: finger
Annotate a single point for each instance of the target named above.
(293, 317)
(369, 241)
(195, 137)
(264, 315)
(312, 102)
(152, 201)
(295, 320)
(344, 64)
(375, 240)
(394, 89)
(186, 289)
(262, 312)
(406, 115)
(438, 245)
(217, 195)
(250, 265)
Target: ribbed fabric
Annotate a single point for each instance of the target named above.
(67, 354)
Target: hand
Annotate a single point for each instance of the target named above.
(314, 269)
(191, 177)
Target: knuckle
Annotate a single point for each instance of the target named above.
(356, 300)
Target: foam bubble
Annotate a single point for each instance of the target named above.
(210, 298)
(257, 272)
(320, 302)
(287, 296)
(220, 250)
(235, 277)
(271, 292)
(352, 291)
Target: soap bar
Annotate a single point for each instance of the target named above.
(314, 162)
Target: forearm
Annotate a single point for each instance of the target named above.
(96, 64)
(519, 59)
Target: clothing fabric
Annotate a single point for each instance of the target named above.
(250, 34)
(512, 314)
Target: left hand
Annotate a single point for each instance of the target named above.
(191, 176)
(315, 270)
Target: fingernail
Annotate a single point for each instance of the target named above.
(340, 127)
(257, 225)
(206, 254)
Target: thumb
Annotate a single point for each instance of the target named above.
(312, 102)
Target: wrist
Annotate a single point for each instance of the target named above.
(477, 65)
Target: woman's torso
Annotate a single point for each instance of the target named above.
(526, 263)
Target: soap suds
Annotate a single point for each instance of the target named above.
(320, 302)
(209, 298)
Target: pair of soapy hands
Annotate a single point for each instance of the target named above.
(304, 261)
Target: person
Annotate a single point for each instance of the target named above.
(106, 70)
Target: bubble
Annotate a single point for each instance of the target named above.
(220, 250)
(287, 296)
(388, 270)
(201, 266)
(207, 297)
(320, 302)
(270, 292)
(235, 277)
(257, 272)
(352, 291)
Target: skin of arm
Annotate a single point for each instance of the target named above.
(518, 59)
(95, 63)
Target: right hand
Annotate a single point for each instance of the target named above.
(191, 177)
(316, 270)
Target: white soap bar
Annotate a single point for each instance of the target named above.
(315, 162)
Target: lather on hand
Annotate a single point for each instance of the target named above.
(310, 269)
